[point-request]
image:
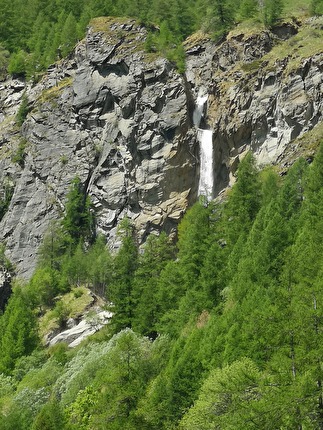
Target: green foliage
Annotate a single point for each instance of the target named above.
(22, 111)
(78, 222)
(29, 363)
(4, 61)
(248, 9)
(61, 312)
(100, 266)
(223, 399)
(123, 381)
(22, 410)
(18, 64)
(147, 288)
(239, 305)
(5, 200)
(271, 12)
(18, 335)
(124, 267)
(43, 287)
(80, 411)
(68, 35)
(50, 417)
(7, 385)
(19, 156)
(317, 7)
(244, 201)
(38, 34)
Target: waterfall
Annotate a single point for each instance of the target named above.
(204, 138)
(199, 110)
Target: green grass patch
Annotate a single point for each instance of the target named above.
(306, 43)
(54, 92)
(251, 67)
(70, 305)
(20, 154)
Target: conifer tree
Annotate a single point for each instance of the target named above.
(157, 253)
(272, 10)
(68, 35)
(124, 267)
(78, 221)
(50, 417)
(248, 9)
(244, 199)
(18, 334)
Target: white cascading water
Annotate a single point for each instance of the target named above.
(206, 151)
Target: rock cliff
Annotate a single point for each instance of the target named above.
(122, 120)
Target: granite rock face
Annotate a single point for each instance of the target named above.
(116, 118)
(122, 120)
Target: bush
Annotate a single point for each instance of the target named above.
(23, 110)
(17, 64)
(4, 61)
(6, 199)
(19, 156)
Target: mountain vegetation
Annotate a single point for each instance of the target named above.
(35, 34)
(223, 330)
(218, 328)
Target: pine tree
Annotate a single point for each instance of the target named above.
(272, 10)
(78, 221)
(158, 252)
(50, 417)
(100, 266)
(244, 200)
(68, 35)
(124, 267)
(248, 9)
(228, 399)
(18, 335)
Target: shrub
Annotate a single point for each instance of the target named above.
(23, 110)
(19, 156)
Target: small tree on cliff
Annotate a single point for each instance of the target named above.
(78, 222)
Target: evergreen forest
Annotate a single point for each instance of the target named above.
(36, 33)
(222, 330)
(218, 328)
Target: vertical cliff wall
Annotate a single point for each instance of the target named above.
(114, 116)
(122, 120)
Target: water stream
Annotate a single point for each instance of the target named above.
(206, 151)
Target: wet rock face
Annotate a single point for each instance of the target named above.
(254, 105)
(119, 120)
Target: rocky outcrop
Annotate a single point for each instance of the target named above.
(121, 120)
(77, 332)
(117, 118)
(256, 101)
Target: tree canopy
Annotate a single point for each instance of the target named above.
(36, 33)
(222, 329)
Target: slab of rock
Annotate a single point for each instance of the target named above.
(76, 334)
